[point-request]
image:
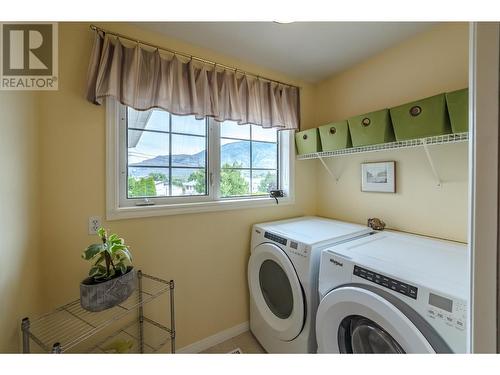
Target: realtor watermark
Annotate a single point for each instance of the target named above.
(29, 56)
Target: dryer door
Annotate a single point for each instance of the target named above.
(358, 318)
(276, 291)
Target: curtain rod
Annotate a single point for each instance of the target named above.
(96, 28)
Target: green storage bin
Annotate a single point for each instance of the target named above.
(307, 141)
(458, 109)
(371, 128)
(423, 118)
(335, 136)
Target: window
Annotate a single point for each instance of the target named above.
(248, 160)
(166, 155)
(160, 163)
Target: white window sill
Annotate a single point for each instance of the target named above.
(191, 208)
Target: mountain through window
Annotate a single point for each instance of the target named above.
(167, 154)
(184, 164)
(248, 160)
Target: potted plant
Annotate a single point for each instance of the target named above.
(112, 279)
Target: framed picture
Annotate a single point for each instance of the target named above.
(379, 177)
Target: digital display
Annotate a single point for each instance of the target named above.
(441, 302)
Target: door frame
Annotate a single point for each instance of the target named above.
(483, 186)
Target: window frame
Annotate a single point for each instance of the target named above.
(217, 170)
(118, 206)
(124, 200)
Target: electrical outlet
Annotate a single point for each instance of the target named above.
(94, 224)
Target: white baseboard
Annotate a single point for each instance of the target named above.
(210, 341)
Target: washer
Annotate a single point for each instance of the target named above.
(283, 279)
(393, 293)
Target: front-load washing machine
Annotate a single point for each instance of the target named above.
(393, 293)
(283, 279)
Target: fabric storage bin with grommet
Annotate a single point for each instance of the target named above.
(458, 109)
(371, 128)
(307, 141)
(335, 136)
(423, 118)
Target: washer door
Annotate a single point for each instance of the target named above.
(360, 318)
(276, 291)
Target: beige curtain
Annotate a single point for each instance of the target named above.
(143, 78)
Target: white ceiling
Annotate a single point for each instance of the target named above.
(310, 51)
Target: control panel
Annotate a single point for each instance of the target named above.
(452, 314)
(298, 249)
(275, 238)
(446, 313)
(387, 282)
(293, 247)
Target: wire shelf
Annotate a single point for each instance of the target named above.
(437, 140)
(131, 333)
(70, 324)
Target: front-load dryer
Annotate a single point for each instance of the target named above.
(283, 279)
(393, 293)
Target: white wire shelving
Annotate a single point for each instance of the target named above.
(398, 145)
(71, 329)
(419, 142)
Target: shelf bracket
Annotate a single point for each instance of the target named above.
(431, 163)
(328, 169)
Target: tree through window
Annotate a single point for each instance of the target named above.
(164, 151)
(168, 156)
(249, 160)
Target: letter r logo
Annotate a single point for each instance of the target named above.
(27, 49)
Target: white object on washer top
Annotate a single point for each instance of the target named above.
(311, 230)
(436, 264)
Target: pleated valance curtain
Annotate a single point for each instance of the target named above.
(144, 78)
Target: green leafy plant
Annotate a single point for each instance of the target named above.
(109, 259)
(268, 183)
(232, 182)
(142, 187)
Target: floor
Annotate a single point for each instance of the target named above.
(246, 342)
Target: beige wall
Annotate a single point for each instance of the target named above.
(52, 196)
(19, 218)
(429, 63)
(205, 253)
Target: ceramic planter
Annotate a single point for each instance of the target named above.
(105, 295)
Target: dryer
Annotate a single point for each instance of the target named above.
(283, 279)
(393, 293)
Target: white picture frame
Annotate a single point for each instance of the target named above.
(378, 177)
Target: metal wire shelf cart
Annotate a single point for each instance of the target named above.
(70, 327)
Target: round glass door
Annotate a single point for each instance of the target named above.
(359, 318)
(360, 335)
(276, 289)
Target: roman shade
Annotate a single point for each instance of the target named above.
(143, 78)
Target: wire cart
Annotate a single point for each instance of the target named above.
(71, 329)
